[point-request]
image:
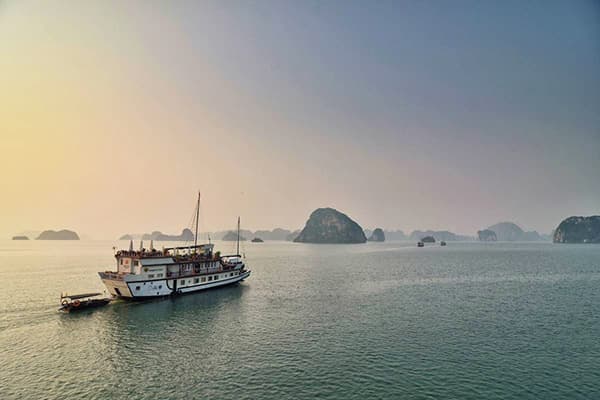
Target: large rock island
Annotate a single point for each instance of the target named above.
(64, 234)
(326, 225)
(578, 230)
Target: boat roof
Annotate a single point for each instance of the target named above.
(79, 296)
(198, 246)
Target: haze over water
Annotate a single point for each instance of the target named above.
(469, 321)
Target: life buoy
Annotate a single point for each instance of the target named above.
(76, 303)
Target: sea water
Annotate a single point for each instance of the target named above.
(389, 320)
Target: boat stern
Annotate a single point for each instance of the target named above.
(115, 284)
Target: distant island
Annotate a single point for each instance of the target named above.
(232, 237)
(503, 231)
(394, 235)
(428, 239)
(327, 225)
(58, 235)
(510, 232)
(20, 237)
(377, 236)
(185, 236)
(487, 235)
(292, 236)
(578, 230)
(275, 234)
(439, 235)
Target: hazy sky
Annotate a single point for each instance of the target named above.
(403, 114)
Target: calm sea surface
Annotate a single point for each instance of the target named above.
(469, 321)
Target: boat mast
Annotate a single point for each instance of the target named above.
(238, 237)
(197, 217)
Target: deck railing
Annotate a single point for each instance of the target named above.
(111, 275)
(175, 275)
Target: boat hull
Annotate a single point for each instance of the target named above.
(145, 289)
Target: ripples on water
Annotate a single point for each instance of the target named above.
(336, 322)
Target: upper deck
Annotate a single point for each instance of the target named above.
(171, 261)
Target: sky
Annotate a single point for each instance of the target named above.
(402, 114)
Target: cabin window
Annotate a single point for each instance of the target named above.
(150, 276)
(136, 263)
(121, 261)
(203, 279)
(182, 281)
(216, 277)
(231, 274)
(160, 286)
(196, 280)
(210, 278)
(137, 288)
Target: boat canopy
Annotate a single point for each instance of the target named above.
(197, 246)
(79, 296)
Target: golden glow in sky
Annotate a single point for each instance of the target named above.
(113, 115)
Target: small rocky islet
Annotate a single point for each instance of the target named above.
(377, 236)
(428, 239)
(20, 237)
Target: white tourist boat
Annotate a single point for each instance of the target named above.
(150, 273)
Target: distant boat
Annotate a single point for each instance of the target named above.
(257, 240)
(420, 244)
(442, 243)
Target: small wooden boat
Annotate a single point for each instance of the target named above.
(420, 244)
(84, 301)
(442, 243)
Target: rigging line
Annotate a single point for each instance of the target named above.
(190, 224)
(197, 221)
(200, 216)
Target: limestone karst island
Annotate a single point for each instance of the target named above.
(64, 234)
(327, 225)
